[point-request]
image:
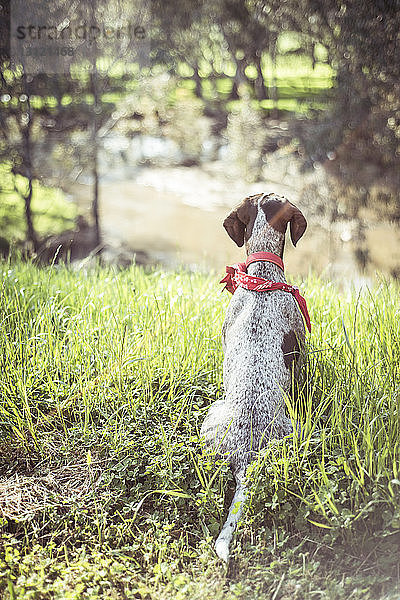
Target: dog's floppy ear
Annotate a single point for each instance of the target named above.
(298, 225)
(235, 228)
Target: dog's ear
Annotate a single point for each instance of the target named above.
(298, 225)
(235, 228)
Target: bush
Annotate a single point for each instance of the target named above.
(246, 138)
(187, 126)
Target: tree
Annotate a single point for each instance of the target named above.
(61, 108)
(20, 127)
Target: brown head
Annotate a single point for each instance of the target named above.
(260, 221)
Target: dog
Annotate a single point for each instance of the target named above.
(262, 337)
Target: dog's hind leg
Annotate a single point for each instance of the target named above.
(235, 512)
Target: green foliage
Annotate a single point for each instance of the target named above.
(187, 125)
(246, 139)
(106, 490)
(52, 213)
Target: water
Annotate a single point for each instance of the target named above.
(175, 213)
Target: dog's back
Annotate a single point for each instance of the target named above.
(261, 335)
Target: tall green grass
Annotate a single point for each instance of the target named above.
(105, 379)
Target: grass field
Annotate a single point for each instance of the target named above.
(105, 489)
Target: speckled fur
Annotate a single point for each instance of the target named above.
(254, 371)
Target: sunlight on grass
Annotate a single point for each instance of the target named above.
(106, 376)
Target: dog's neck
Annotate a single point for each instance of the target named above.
(267, 270)
(264, 238)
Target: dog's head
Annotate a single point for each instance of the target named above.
(260, 221)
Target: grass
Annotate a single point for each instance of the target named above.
(105, 488)
(299, 87)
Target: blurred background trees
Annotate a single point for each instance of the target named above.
(225, 80)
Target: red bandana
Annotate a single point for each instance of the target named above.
(237, 276)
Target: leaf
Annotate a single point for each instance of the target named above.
(175, 493)
(320, 524)
(347, 337)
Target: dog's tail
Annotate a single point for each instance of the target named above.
(235, 512)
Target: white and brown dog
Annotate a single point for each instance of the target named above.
(262, 337)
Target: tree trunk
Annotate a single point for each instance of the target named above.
(234, 95)
(26, 136)
(260, 87)
(274, 87)
(197, 79)
(30, 230)
(95, 199)
(240, 76)
(95, 152)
